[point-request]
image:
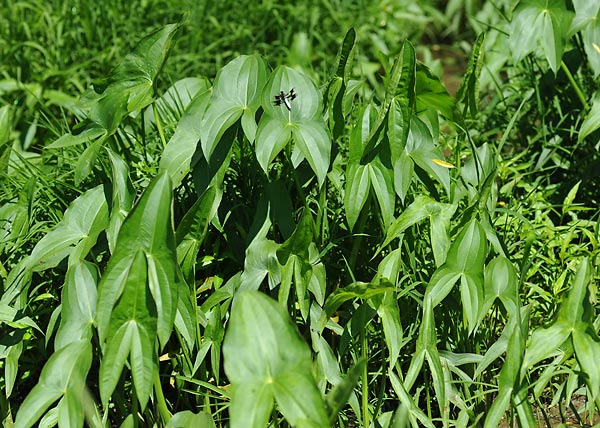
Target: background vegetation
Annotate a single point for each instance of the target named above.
(413, 243)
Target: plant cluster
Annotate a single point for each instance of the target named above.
(265, 250)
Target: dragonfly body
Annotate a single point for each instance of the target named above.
(285, 99)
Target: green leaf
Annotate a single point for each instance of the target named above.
(237, 89)
(360, 290)
(75, 234)
(303, 121)
(188, 419)
(298, 243)
(540, 22)
(500, 283)
(358, 184)
(265, 357)
(337, 397)
(137, 297)
(132, 332)
(381, 179)
(591, 123)
(587, 20)
(147, 228)
(439, 215)
(389, 313)
(468, 92)
(129, 88)
(421, 148)
(64, 373)
(431, 93)
(577, 306)
(78, 304)
(272, 137)
(587, 348)
(193, 228)
(123, 195)
(312, 139)
(177, 156)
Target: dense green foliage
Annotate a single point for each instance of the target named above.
(185, 243)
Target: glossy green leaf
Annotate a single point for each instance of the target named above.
(132, 332)
(177, 156)
(587, 348)
(389, 313)
(123, 195)
(422, 149)
(439, 215)
(381, 179)
(358, 183)
(500, 283)
(469, 250)
(303, 121)
(391, 89)
(129, 88)
(188, 419)
(75, 235)
(591, 123)
(193, 228)
(265, 357)
(408, 401)
(63, 374)
(238, 87)
(298, 243)
(271, 138)
(360, 290)
(312, 139)
(587, 20)
(542, 23)
(148, 228)
(338, 396)
(78, 304)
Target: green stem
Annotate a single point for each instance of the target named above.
(161, 403)
(365, 378)
(576, 87)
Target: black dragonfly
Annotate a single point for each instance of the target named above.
(285, 99)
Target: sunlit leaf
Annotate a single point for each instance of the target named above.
(64, 373)
(264, 358)
(542, 23)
